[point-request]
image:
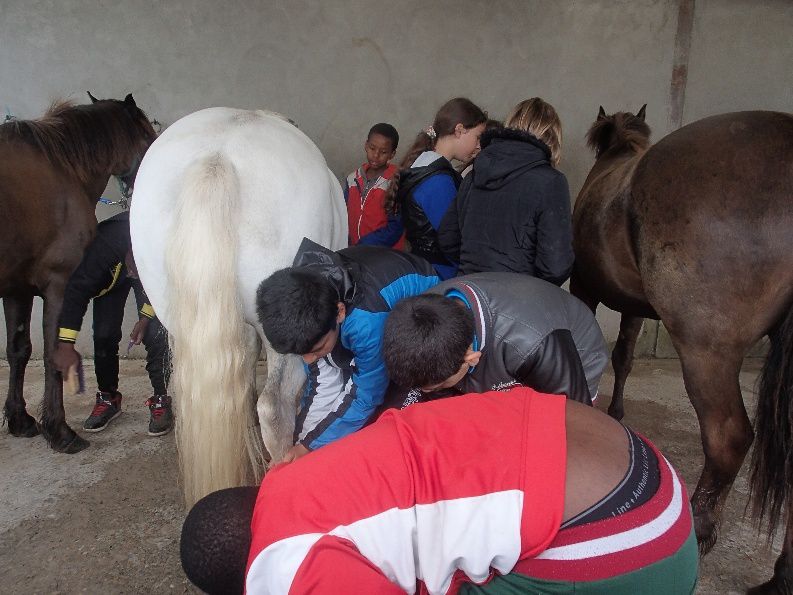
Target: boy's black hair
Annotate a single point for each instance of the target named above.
(216, 538)
(296, 307)
(425, 340)
(387, 131)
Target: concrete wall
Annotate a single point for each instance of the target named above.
(337, 67)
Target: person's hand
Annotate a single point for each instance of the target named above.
(65, 357)
(294, 453)
(136, 336)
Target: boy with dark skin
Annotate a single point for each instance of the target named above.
(495, 493)
(365, 191)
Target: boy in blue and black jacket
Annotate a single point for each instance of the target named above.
(330, 308)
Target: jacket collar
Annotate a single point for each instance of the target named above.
(474, 302)
(387, 174)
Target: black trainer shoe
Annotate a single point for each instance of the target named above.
(161, 420)
(107, 408)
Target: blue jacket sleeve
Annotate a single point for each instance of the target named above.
(387, 236)
(435, 195)
(362, 333)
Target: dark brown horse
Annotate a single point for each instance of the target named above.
(52, 173)
(697, 231)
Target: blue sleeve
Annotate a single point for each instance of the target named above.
(435, 195)
(387, 236)
(362, 333)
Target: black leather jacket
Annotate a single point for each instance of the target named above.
(530, 332)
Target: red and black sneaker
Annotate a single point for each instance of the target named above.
(161, 420)
(107, 408)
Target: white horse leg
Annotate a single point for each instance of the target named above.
(277, 404)
(253, 439)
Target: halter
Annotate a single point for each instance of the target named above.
(123, 187)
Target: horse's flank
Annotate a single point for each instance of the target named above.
(702, 225)
(223, 199)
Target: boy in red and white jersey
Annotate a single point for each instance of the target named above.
(490, 493)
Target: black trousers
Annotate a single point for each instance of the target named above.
(108, 318)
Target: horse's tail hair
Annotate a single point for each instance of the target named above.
(772, 460)
(213, 377)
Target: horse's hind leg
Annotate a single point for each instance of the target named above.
(59, 435)
(18, 350)
(711, 378)
(782, 581)
(622, 361)
(277, 405)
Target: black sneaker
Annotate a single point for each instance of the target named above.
(107, 408)
(161, 420)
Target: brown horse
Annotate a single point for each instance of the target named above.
(52, 173)
(697, 231)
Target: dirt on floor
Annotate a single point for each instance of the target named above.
(107, 520)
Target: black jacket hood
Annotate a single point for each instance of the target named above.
(506, 153)
(331, 265)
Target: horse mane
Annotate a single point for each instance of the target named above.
(619, 132)
(82, 139)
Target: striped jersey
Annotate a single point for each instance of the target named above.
(417, 502)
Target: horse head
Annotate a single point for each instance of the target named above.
(622, 131)
(135, 132)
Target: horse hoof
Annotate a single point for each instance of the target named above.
(705, 529)
(771, 587)
(617, 413)
(71, 446)
(23, 426)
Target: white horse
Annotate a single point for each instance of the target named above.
(222, 200)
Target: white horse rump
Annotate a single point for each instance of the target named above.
(222, 200)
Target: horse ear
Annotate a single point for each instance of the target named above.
(129, 101)
(601, 113)
(93, 99)
(640, 113)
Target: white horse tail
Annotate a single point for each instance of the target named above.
(212, 369)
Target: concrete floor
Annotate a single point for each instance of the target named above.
(107, 520)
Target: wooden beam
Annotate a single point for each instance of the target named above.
(677, 91)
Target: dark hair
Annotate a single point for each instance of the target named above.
(216, 539)
(425, 339)
(492, 124)
(459, 110)
(296, 307)
(387, 131)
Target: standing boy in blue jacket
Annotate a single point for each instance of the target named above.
(330, 308)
